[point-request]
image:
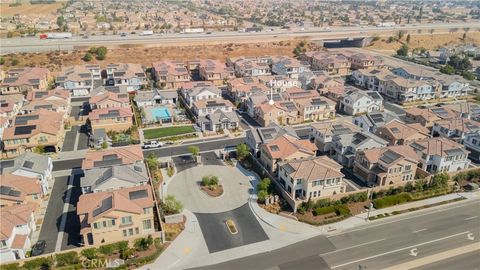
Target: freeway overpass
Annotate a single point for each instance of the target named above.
(34, 44)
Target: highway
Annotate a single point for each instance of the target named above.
(416, 238)
(34, 44)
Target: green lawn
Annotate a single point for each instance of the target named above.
(168, 131)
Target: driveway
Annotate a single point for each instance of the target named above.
(218, 237)
(186, 187)
(76, 139)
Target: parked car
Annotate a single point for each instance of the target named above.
(39, 248)
(123, 34)
(152, 144)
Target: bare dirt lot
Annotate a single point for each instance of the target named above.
(29, 9)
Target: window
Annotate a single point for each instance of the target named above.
(147, 224)
(96, 225)
(127, 220)
(125, 233)
(3, 243)
(130, 231)
(137, 231)
(147, 210)
(105, 224)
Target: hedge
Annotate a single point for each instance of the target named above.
(11, 266)
(40, 263)
(391, 200)
(110, 248)
(339, 210)
(67, 258)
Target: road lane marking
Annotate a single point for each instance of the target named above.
(359, 245)
(470, 218)
(400, 249)
(421, 230)
(414, 215)
(414, 252)
(435, 258)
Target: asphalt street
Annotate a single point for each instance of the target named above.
(34, 44)
(467, 261)
(381, 244)
(204, 146)
(217, 235)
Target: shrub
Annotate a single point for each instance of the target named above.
(171, 205)
(324, 210)
(209, 181)
(40, 263)
(88, 57)
(143, 243)
(101, 53)
(127, 253)
(391, 200)
(67, 258)
(89, 253)
(323, 203)
(264, 184)
(242, 151)
(262, 196)
(14, 61)
(342, 210)
(11, 266)
(170, 171)
(107, 249)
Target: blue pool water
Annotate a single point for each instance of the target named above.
(160, 113)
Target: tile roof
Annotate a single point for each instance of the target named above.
(109, 96)
(25, 76)
(400, 130)
(287, 145)
(319, 168)
(437, 146)
(14, 215)
(119, 155)
(25, 185)
(110, 113)
(39, 121)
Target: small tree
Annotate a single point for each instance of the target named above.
(194, 150)
(408, 38)
(88, 57)
(400, 34)
(447, 69)
(403, 51)
(14, 61)
(440, 180)
(143, 243)
(467, 75)
(242, 151)
(104, 145)
(68, 258)
(101, 53)
(2, 61)
(262, 196)
(152, 162)
(171, 205)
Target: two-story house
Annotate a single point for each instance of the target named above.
(441, 155)
(114, 177)
(250, 66)
(125, 155)
(255, 137)
(199, 91)
(285, 148)
(215, 71)
(355, 102)
(42, 128)
(111, 119)
(345, 146)
(316, 108)
(109, 100)
(57, 100)
(287, 66)
(26, 79)
(112, 216)
(16, 228)
(398, 133)
(10, 105)
(311, 178)
(240, 89)
(203, 107)
(322, 133)
(392, 165)
(131, 76)
(170, 74)
(370, 122)
(18, 189)
(80, 79)
(455, 128)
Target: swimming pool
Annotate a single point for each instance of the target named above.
(160, 113)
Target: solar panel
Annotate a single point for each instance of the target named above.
(274, 148)
(10, 80)
(358, 138)
(23, 130)
(138, 168)
(137, 194)
(23, 119)
(110, 157)
(107, 204)
(3, 105)
(389, 156)
(105, 163)
(395, 130)
(28, 164)
(8, 191)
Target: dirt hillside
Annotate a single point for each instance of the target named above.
(29, 9)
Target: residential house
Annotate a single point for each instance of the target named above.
(278, 83)
(42, 128)
(250, 66)
(112, 216)
(358, 102)
(402, 90)
(114, 177)
(170, 74)
(80, 79)
(371, 79)
(131, 76)
(345, 146)
(465, 110)
(203, 107)
(111, 119)
(312, 178)
(10, 105)
(156, 97)
(17, 189)
(324, 83)
(4, 123)
(441, 155)
(215, 71)
(283, 149)
(322, 132)
(370, 122)
(240, 89)
(125, 155)
(254, 100)
(255, 137)
(23, 80)
(392, 165)
(363, 60)
(472, 144)
(219, 120)
(398, 133)
(31, 165)
(57, 100)
(16, 228)
(198, 92)
(315, 108)
(286, 66)
(427, 116)
(280, 112)
(109, 100)
(333, 64)
(455, 128)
